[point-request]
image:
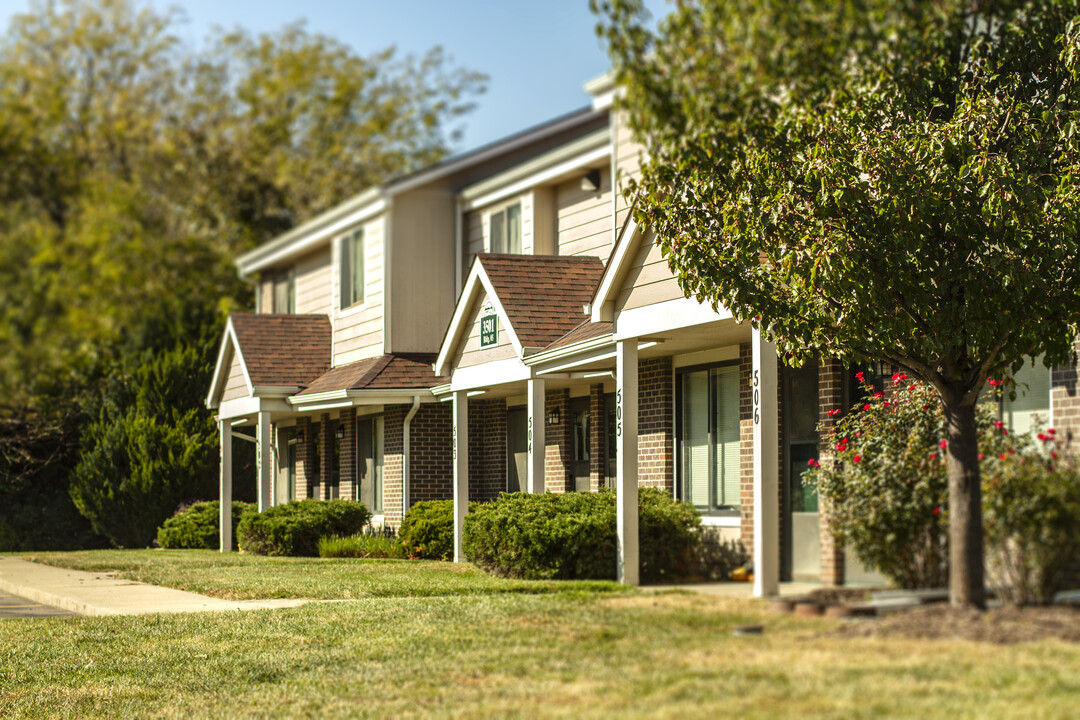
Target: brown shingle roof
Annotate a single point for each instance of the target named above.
(542, 294)
(385, 372)
(585, 331)
(283, 349)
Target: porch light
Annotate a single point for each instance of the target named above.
(554, 417)
(591, 182)
(340, 432)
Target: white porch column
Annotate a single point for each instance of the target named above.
(766, 468)
(626, 434)
(461, 468)
(264, 460)
(225, 486)
(537, 431)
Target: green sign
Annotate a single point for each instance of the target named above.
(489, 330)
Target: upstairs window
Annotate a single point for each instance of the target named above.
(504, 229)
(285, 292)
(352, 269)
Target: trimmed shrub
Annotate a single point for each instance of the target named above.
(1031, 513)
(198, 526)
(427, 530)
(369, 543)
(295, 528)
(573, 535)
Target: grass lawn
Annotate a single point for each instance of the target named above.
(575, 653)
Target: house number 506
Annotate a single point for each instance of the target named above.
(757, 399)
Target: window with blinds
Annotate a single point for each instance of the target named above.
(1031, 407)
(709, 468)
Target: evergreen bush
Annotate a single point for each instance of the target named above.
(296, 527)
(427, 530)
(573, 535)
(198, 526)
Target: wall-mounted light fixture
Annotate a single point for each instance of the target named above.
(340, 432)
(591, 182)
(554, 416)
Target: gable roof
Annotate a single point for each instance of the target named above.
(602, 306)
(588, 330)
(405, 370)
(274, 351)
(539, 298)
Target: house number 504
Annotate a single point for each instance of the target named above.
(757, 399)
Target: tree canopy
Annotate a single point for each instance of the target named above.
(876, 180)
(133, 169)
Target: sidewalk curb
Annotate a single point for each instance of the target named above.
(58, 601)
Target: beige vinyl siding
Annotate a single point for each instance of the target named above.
(265, 290)
(358, 330)
(422, 270)
(473, 231)
(472, 354)
(584, 218)
(627, 163)
(313, 283)
(236, 386)
(649, 280)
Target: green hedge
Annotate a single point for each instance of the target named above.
(197, 526)
(427, 530)
(295, 528)
(573, 535)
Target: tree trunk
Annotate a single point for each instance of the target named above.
(966, 580)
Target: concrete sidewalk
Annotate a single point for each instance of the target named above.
(99, 593)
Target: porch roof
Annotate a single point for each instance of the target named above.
(386, 372)
(283, 350)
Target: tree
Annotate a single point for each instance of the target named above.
(876, 180)
(133, 170)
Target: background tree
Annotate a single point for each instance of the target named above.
(876, 180)
(133, 169)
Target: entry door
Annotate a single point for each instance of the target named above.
(580, 449)
(517, 450)
(802, 547)
(335, 461)
(611, 442)
(368, 485)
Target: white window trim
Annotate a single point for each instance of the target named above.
(340, 312)
(485, 219)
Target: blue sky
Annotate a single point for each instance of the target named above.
(537, 52)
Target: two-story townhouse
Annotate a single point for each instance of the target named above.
(565, 357)
(590, 367)
(334, 370)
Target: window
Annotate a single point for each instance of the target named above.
(1031, 406)
(352, 269)
(504, 228)
(709, 463)
(285, 292)
(369, 463)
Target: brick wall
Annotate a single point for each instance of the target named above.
(558, 468)
(1065, 401)
(597, 457)
(487, 449)
(431, 451)
(656, 436)
(393, 462)
(304, 456)
(347, 478)
(746, 447)
(830, 397)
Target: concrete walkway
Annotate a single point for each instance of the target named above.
(735, 589)
(99, 593)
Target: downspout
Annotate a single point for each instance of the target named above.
(405, 460)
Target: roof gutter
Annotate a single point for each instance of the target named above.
(406, 456)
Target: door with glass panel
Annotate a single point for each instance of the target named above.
(369, 463)
(581, 443)
(799, 408)
(517, 449)
(708, 431)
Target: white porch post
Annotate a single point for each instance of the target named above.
(537, 435)
(225, 486)
(461, 468)
(626, 433)
(264, 463)
(766, 468)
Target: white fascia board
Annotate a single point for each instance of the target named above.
(498, 372)
(219, 368)
(567, 364)
(317, 231)
(492, 151)
(350, 398)
(250, 405)
(441, 389)
(603, 302)
(666, 316)
(581, 153)
(229, 338)
(478, 278)
(586, 346)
